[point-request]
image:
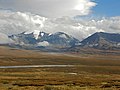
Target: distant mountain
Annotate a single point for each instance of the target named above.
(37, 39)
(101, 40)
(61, 41)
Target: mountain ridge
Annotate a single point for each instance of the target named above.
(54, 40)
(102, 40)
(61, 41)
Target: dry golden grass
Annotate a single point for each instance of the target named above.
(59, 79)
(91, 72)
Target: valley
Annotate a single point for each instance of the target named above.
(84, 71)
(59, 45)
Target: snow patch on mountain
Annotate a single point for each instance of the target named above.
(42, 34)
(36, 34)
(44, 43)
(63, 36)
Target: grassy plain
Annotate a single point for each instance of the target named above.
(90, 71)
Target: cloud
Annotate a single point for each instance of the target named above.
(50, 8)
(4, 39)
(17, 22)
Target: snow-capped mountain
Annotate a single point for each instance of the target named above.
(42, 39)
(61, 40)
(18, 22)
(31, 30)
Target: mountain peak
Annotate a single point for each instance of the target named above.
(37, 38)
(102, 40)
(36, 34)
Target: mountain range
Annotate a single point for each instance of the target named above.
(61, 41)
(43, 40)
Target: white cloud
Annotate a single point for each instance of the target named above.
(4, 39)
(50, 8)
(17, 22)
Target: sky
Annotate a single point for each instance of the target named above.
(50, 8)
(107, 8)
(58, 8)
(17, 16)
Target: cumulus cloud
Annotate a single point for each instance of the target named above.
(17, 22)
(50, 8)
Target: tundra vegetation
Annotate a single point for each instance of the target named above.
(90, 71)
